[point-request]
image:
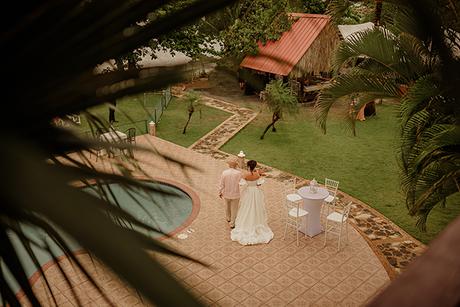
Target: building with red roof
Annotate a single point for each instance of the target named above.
(305, 50)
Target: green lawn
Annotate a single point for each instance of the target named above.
(365, 165)
(133, 111)
(138, 110)
(174, 118)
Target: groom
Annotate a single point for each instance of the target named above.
(229, 190)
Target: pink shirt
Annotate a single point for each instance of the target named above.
(230, 183)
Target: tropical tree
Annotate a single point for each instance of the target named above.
(42, 163)
(237, 29)
(315, 6)
(247, 22)
(127, 61)
(279, 98)
(193, 99)
(350, 11)
(193, 39)
(413, 61)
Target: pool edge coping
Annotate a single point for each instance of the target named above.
(196, 206)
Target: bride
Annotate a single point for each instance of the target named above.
(251, 221)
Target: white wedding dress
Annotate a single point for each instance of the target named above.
(251, 221)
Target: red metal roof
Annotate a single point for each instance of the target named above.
(279, 57)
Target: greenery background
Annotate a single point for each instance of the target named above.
(365, 165)
(174, 118)
(137, 111)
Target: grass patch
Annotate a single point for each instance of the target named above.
(138, 110)
(366, 165)
(132, 111)
(174, 118)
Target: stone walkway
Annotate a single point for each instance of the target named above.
(211, 142)
(275, 274)
(392, 245)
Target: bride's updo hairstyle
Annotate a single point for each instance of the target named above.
(252, 165)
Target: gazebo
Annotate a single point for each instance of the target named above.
(301, 54)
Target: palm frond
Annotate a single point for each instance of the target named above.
(400, 56)
(415, 56)
(418, 97)
(70, 39)
(365, 86)
(61, 210)
(337, 9)
(279, 97)
(432, 168)
(13, 263)
(415, 52)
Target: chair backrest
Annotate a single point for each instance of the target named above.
(346, 211)
(290, 186)
(131, 133)
(97, 133)
(292, 205)
(331, 186)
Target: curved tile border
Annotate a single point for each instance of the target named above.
(394, 247)
(196, 205)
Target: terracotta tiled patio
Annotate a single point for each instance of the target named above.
(274, 274)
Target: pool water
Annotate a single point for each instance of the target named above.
(166, 209)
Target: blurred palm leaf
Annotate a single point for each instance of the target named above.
(68, 40)
(412, 60)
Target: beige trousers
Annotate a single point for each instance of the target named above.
(231, 209)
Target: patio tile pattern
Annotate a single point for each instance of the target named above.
(394, 246)
(275, 274)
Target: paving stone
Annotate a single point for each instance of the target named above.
(260, 274)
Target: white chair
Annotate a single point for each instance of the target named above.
(294, 216)
(291, 191)
(332, 187)
(96, 150)
(337, 219)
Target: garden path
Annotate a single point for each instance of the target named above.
(394, 247)
(275, 274)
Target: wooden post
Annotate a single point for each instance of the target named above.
(152, 128)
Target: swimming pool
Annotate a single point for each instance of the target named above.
(168, 208)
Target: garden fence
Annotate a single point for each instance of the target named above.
(164, 102)
(154, 108)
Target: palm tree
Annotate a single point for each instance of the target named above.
(193, 100)
(415, 63)
(53, 48)
(340, 9)
(279, 98)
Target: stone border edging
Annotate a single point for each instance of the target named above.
(196, 205)
(240, 118)
(393, 246)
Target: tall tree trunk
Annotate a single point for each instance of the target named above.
(378, 12)
(275, 118)
(188, 121)
(112, 113)
(120, 66)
